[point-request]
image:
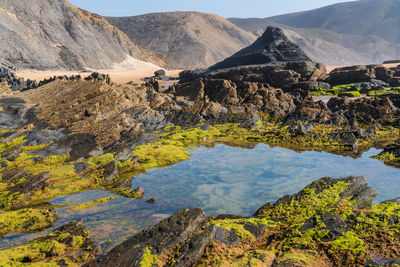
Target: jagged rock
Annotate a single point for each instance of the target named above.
(273, 46)
(364, 109)
(190, 252)
(157, 240)
(310, 111)
(277, 75)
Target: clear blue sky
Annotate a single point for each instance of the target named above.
(225, 8)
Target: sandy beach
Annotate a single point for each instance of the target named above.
(129, 70)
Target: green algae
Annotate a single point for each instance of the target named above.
(26, 220)
(92, 203)
(148, 259)
(349, 241)
(238, 225)
(310, 203)
(69, 244)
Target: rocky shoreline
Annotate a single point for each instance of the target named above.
(70, 135)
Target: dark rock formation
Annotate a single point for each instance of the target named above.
(277, 75)
(364, 109)
(365, 74)
(160, 75)
(160, 239)
(254, 96)
(272, 47)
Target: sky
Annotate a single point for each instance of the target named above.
(225, 8)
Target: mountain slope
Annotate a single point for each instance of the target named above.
(360, 32)
(53, 34)
(185, 39)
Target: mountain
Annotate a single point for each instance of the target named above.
(53, 34)
(359, 32)
(272, 47)
(185, 39)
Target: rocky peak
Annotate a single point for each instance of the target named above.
(273, 46)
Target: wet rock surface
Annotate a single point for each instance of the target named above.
(156, 241)
(334, 208)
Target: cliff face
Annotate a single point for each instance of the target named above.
(53, 34)
(185, 39)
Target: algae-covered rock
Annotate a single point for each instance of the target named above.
(158, 242)
(67, 244)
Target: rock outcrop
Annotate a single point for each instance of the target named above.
(272, 47)
(272, 59)
(171, 236)
(331, 221)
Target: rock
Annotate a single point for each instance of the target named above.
(151, 201)
(307, 85)
(110, 172)
(358, 192)
(227, 237)
(160, 73)
(353, 74)
(81, 167)
(333, 223)
(277, 75)
(347, 138)
(364, 110)
(309, 111)
(166, 235)
(394, 82)
(14, 175)
(273, 46)
(32, 184)
(300, 128)
(191, 251)
(393, 149)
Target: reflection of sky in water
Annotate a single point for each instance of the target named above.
(221, 180)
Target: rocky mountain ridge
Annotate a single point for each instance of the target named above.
(340, 34)
(185, 39)
(44, 34)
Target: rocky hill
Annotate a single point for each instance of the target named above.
(53, 34)
(272, 47)
(358, 32)
(185, 39)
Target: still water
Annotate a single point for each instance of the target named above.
(222, 180)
